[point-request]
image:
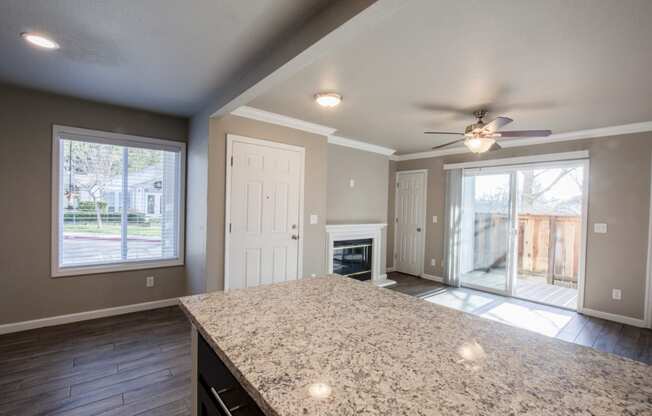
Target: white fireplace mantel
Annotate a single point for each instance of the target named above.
(339, 232)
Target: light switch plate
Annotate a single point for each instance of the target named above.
(433, 262)
(600, 228)
(352, 183)
(314, 219)
(434, 219)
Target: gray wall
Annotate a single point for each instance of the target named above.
(26, 289)
(619, 195)
(196, 204)
(314, 236)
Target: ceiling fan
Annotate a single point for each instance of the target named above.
(481, 137)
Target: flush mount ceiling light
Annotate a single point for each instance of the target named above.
(39, 40)
(328, 99)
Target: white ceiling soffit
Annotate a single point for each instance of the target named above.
(559, 137)
(295, 123)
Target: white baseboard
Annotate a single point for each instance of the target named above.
(615, 318)
(432, 277)
(84, 316)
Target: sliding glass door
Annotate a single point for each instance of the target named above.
(550, 203)
(487, 224)
(523, 230)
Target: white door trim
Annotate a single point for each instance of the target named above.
(581, 283)
(647, 314)
(425, 223)
(230, 139)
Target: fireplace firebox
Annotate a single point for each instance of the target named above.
(353, 258)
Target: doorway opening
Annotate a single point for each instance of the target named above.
(523, 231)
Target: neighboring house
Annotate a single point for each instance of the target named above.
(145, 192)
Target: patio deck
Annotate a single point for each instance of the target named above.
(526, 288)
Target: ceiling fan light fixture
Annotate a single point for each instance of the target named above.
(479, 144)
(328, 99)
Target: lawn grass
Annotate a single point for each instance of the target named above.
(114, 229)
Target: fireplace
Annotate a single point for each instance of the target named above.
(353, 258)
(356, 250)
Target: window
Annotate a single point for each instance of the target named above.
(118, 202)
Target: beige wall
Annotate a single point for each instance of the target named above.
(366, 202)
(619, 195)
(314, 236)
(26, 289)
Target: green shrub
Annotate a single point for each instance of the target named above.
(77, 217)
(90, 206)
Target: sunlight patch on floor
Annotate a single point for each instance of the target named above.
(464, 301)
(542, 319)
(544, 322)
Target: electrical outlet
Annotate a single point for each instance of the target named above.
(313, 275)
(314, 219)
(352, 183)
(433, 262)
(616, 294)
(149, 281)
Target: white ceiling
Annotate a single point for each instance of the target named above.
(161, 55)
(556, 64)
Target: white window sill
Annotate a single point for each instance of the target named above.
(115, 267)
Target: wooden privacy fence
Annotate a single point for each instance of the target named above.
(548, 245)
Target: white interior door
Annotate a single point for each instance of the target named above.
(265, 202)
(410, 222)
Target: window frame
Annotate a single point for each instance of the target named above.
(64, 132)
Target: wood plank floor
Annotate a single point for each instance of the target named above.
(135, 364)
(625, 340)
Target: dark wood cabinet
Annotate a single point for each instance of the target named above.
(219, 393)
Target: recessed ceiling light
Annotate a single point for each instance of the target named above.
(328, 99)
(39, 40)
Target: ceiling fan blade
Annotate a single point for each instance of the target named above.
(442, 132)
(447, 144)
(524, 133)
(496, 124)
(495, 146)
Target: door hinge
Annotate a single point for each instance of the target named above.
(396, 184)
(231, 160)
(397, 220)
(229, 227)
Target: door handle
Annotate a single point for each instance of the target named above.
(295, 236)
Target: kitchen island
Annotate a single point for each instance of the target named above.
(336, 346)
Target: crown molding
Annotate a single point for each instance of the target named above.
(281, 120)
(356, 144)
(553, 138)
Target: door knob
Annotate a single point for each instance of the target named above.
(295, 237)
(418, 229)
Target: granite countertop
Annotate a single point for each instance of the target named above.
(336, 346)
